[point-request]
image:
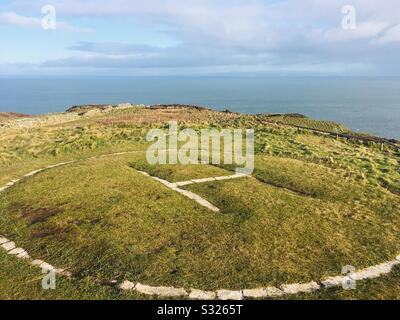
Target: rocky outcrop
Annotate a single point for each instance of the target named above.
(72, 114)
(98, 107)
(12, 115)
(178, 106)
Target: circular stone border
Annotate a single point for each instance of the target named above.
(222, 294)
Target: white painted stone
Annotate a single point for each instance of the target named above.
(202, 295)
(332, 282)
(47, 266)
(229, 295)
(16, 251)
(368, 273)
(8, 246)
(274, 292)
(166, 183)
(144, 173)
(63, 272)
(59, 164)
(235, 176)
(300, 288)
(374, 271)
(184, 183)
(23, 255)
(37, 263)
(160, 291)
(206, 204)
(189, 194)
(222, 178)
(262, 293)
(127, 285)
(255, 293)
(30, 174)
(239, 176)
(3, 240)
(203, 180)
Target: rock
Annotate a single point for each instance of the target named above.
(197, 198)
(161, 291)
(300, 288)
(178, 106)
(189, 194)
(203, 180)
(222, 178)
(30, 174)
(143, 173)
(23, 255)
(202, 295)
(37, 263)
(375, 271)
(125, 105)
(43, 265)
(127, 285)
(3, 240)
(254, 293)
(262, 293)
(59, 164)
(332, 282)
(229, 295)
(166, 183)
(206, 204)
(89, 107)
(46, 266)
(239, 175)
(184, 183)
(274, 292)
(64, 273)
(16, 251)
(8, 246)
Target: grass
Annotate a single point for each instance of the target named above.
(313, 205)
(305, 122)
(179, 173)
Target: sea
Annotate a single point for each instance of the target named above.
(364, 104)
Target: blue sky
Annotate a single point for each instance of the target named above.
(200, 37)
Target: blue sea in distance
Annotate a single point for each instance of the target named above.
(369, 105)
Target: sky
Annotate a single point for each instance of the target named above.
(200, 37)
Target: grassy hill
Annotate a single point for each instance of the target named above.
(4, 116)
(321, 197)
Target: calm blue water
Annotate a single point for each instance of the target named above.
(364, 104)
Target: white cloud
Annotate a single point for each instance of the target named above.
(14, 19)
(392, 35)
(364, 30)
(232, 33)
(11, 18)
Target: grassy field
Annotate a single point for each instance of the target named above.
(314, 204)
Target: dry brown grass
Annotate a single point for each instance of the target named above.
(12, 115)
(161, 116)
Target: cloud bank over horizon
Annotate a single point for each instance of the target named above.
(191, 37)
